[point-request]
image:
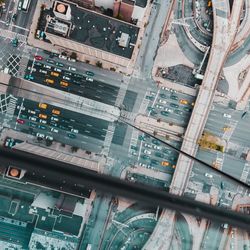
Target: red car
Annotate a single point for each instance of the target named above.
(39, 58)
(20, 121)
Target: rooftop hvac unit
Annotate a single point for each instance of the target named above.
(61, 28)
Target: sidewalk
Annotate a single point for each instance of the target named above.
(75, 103)
(161, 128)
(147, 172)
(55, 151)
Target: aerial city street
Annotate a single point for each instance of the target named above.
(122, 88)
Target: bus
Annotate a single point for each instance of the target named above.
(25, 5)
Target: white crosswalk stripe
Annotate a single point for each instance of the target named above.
(11, 35)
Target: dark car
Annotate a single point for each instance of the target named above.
(72, 136)
(159, 154)
(154, 162)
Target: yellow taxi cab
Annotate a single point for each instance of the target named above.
(43, 105)
(54, 73)
(182, 101)
(64, 84)
(56, 112)
(49, 81)
(42, 116)
(226, 129)
(165, 163)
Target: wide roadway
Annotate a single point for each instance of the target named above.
(95, 90)
(86, 125)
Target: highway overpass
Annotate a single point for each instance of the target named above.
(225, 29)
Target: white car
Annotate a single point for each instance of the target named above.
(76, 131)
(22, 107)
(43, 71)
(157, 147)
(47, 66)
(32, 118)
(57, 70)
(62, 57)
(19, 5)
(173, 91)
(33, 69)
(66, 78)
(165, 88)
(143, 165)
(89, 79)
(55, 130)
(147, 145)
(54, 119)
(32, 112)
(148, 152)
(227, 116)
(208, 175)
(158, 106)
(162, 101)
(71, 59)
(72, 68)
(169, 110)
(152, 93)
(43, 121)
(49, 137)
(40, 135)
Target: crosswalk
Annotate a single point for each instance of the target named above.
(121, 95)
(133, 141)
(11, 35)
(245, 172)
(108, 139)
(227, 135)
(143, 107)
(219, 160)
(10, 102)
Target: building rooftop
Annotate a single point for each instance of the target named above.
(100, 32)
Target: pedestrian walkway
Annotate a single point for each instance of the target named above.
(74, 103)
(8, 106)
(108, 139)
(12, 35)
(153, 173)
(133, 141)
(160, 128)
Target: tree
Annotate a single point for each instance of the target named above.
(87, 61)
(39, 139)
(99, 64)
(48, 143)
(73, 55)
(63, 145)
(74, 149)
